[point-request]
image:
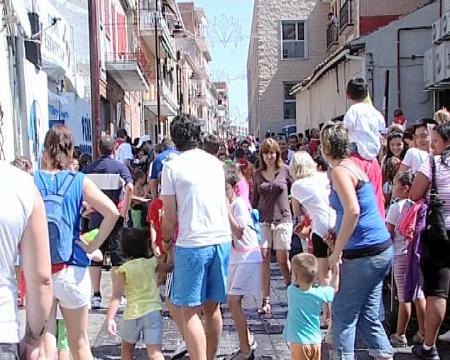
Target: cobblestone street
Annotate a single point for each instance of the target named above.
(266, 329)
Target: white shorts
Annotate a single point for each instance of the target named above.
(245, 279)
(72, 287)
(276, 237)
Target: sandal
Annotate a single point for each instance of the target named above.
(266, 308)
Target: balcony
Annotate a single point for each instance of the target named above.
(168, 104)
(345, 15)
(332, 35)
(129, 69)
(147, 32)
(202, 44)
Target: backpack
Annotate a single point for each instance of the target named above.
(254, 214)
(60, 230)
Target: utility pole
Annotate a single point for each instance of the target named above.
(95, 74)
(158, 82)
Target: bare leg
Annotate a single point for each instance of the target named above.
(285, 264)
(266, 308)
(127, 351)
(421, 305)
(175, 312)
(194, 333)
(77, 332)
(404, 314)
(213, 327)
(235, 304)
(154, 352)
(96, 273)
(434, 315)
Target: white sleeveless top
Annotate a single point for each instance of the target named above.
(17, 201)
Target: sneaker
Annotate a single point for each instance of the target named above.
(238, 355)
(398, 341)
(96, 302)
(180, 351)
(421, 353)
(445, 336)
(418, 339)
(252, 342)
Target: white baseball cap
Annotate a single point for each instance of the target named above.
(143, 139)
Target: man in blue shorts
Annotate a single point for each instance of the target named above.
(197, 202)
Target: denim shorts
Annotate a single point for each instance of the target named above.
(148, 329)
(200, 275)
(9, 351)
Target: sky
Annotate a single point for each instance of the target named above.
(229, 26)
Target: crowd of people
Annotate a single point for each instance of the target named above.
(194, 220)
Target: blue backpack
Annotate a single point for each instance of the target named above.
(254, 214)
(60, 229)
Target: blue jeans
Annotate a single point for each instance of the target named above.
(357, 304)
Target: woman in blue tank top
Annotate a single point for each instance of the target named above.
(70, 264)
(364, 245)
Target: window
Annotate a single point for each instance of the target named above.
(293, 36)
(289, 102)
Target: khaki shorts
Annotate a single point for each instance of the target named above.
(305, 352)
(276, 237)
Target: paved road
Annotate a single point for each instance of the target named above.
(266, 329)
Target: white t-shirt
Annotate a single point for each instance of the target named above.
(364, 124)
(17, 194)
(313, 194)
(442, 184)
(197, 180)
(124, 153)
(414, 158)
(393, 217)
(247, 249)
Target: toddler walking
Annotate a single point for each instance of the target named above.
(142, 314)
(305, 302)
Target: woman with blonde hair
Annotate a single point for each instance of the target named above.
(365, 247)
(311, 190)
(270, 197)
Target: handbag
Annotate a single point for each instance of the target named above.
(435, 231)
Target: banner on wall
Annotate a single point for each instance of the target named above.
(74, 112)
(36, 110)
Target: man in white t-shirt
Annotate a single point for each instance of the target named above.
(196, 200)
(415, 156)
(123, 151)
(23, 229)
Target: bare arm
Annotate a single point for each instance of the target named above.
(345, 187)
(128, 197)
(116, 294)
(419, 187)
(235, 228)
(169, 217)
(153, 184)
(35, 252)
(296, 207)
(101, 203)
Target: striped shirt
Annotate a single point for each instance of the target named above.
(442, 184)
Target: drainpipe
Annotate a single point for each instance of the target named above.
(95, 74)
(158, 80)
(399, 97)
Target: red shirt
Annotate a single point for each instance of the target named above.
(399, 120)
(154, 218)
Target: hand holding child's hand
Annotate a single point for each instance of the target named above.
(334, 259)
(112, 327)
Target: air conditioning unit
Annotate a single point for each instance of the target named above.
(445, 26)
(439, 63)
(428, 68)
(436, 33)
(446, 45)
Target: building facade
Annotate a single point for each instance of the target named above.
(373, 40)
(286, 44)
